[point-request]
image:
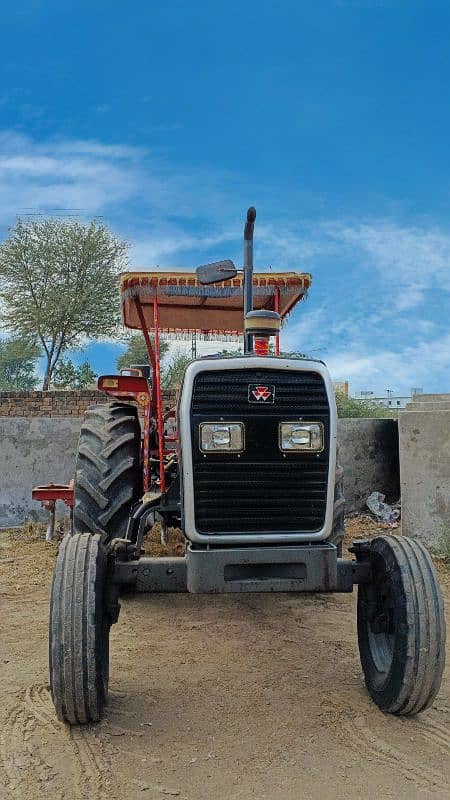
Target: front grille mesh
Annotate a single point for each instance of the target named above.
(225, 392)
(261, 491)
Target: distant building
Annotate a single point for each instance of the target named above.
(341, 387)
(390, 400)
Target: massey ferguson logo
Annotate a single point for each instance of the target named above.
(260, 394)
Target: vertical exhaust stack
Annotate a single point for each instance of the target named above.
(248, 273)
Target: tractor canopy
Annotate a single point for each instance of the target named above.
(185, 305)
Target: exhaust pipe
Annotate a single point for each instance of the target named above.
(248, 273)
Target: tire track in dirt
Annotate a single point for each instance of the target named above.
(367, 741)
(432, 730)
(23, 759)
(22, 763)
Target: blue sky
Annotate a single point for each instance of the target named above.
(332, 117)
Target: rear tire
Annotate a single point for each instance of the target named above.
(107, 481)
(401, 627)
(79, 630)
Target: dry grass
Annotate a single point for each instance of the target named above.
(176, 546)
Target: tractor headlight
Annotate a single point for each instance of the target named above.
(221, 437)
(301, 436)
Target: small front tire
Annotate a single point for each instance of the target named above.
(79, 630)
(401, 626)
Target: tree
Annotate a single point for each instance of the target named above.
(173, 371)
(349, 407)
(231, 353)
(58, 284)
(67, 375)
(136, 352)
(86, 376)
(18, 364)
(64, 375)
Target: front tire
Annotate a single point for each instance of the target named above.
(79, 630)
(401, 627)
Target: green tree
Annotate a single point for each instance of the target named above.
(58, 284)
(18, 364)
(68, 376)
(64, 375)
(173, 371)
(349, 407)
(86, 376)
(231, 353)
(136, 351)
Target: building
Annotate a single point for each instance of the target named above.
(341, 387)
(390, 400)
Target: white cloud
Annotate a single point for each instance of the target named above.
(131, 186)
(409, 257)
(74, 175)
(422, 364)
(155, 249)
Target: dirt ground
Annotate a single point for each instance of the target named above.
(227, 697)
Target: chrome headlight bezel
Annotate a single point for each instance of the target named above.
(236, 430)
(316, 432)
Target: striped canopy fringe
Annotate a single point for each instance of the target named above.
(203, 291)
(200, 336)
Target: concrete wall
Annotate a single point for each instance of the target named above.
(39, 450)
(33, 451)
(425, 473)
(368, 451)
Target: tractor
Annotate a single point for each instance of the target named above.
(246, 465)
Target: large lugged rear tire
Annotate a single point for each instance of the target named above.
(401, 626)
(79, 630)
(107, 481)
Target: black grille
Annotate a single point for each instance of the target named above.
(227, 392)
(262, 490)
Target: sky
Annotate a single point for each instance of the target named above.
(167, 120)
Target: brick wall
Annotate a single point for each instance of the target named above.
(56, 404)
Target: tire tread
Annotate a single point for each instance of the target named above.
(107, 479)
(77, 630)
(414, 680)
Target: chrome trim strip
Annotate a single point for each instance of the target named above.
(187, 484)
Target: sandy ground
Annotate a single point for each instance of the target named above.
(231, 697)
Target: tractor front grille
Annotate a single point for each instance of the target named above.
(227, 392)
(262, 490)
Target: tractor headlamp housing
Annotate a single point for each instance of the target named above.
(304, 436)
(221, 437)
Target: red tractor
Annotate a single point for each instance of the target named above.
(248, 472)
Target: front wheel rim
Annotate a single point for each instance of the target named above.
(381, 621)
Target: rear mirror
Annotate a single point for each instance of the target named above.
(217, 272)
